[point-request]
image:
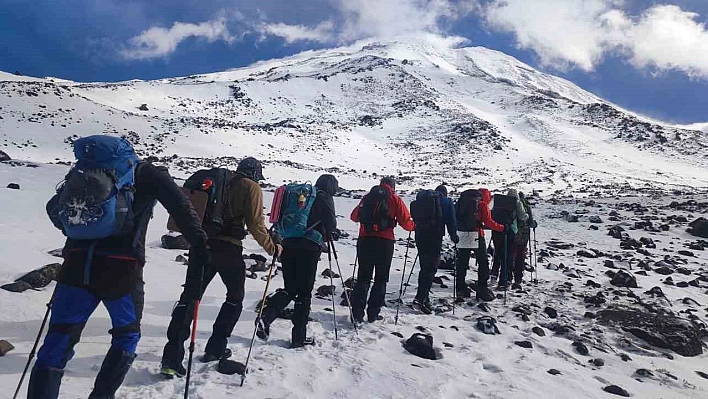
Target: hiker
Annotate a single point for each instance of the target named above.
(522, 240)
(473, 215)
(432, 213)
(301, 253)
(509, 211)
(378, 214)
(108, 269)
(244, 207)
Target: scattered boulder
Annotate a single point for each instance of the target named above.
(230, 367)
(5, 347)
(581, 348)
(664, 270)
(13, 186)
(182, 259)
(681, 252)
(554, 372)
(421, 345)
(552, 313)
(487, 325)
(587, 253)
(17, 287)
(143, 107)
(699, 228)
(539, 331)
(329, 274)
(657, 327)
(326, 290)
(4, 157)
(624, 279)
(35, 279)
(595, 219)
(572, 218)
(702, 374)
(524, 344)
(648, 242)
(174, 242)
(597, 362)
(258, 258)
(616, 390)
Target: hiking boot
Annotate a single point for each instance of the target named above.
(356, 320)
(493, 280)
(374, 317)
(173, 371)
(485, 295)
(210, 357)
(299, 344)
(516, 286)
(262, 329)
(423, 306)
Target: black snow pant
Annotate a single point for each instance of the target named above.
(299, 273)
(463, 261)
(227, 261)
(429, 263)
(503, 255)
(375, 257)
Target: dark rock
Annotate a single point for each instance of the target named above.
(18, 286)
(553, 372)
(552, 313)
(664, 270)
(258, 258)
(610, 264)
(581, 348)
(699, 228)
(589, 315)
(143, 107)
(615, 390)
(610, 274)
(702, 374)
(59, 252)
(587, 253)
(524, 344)
(625, 357)
(648, 242)
(259, 267)
(598, 362)
(4, 157)
(326, 290)
(230, 367)
(657, 327)
(41, 277)
(397, 334)
(487, 325)
(682, 284)
(624, 279)
(5, 347)
(174, 242)
(329, 274)
(572, 218)
(523, 309)
(448, 345)
(593, 227)
(644, 373)
(656, 291)
(681, 252)
(669, 281)
(593, 284)
(421, 345)
(350, 282)
(595, 219)
(182, 259)
(539, 331)
(13, 186)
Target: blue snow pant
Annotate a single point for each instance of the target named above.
(117, 282)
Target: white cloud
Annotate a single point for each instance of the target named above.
(579, 33)
(322, 33)
(160, 42)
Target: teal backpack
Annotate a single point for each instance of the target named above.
(294, 212)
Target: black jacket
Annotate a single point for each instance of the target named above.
(152, 184)
(322, 214)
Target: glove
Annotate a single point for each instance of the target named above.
(507, 228)
(277, 239)
(455, 238)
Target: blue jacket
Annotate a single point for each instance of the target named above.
(448, 209)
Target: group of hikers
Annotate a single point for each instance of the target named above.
(106, 203)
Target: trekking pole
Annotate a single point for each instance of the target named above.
(346, 293)
(506, 265)
(33, 352)
(454, 283)
(193, 338)
(356, 259)
(403, 275)
(331, 284)
(405, 287)
(260, 314)
(535, 255)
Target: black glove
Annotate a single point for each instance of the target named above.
(275, 236)
(199, 256)
(507, 228)
(455, 238)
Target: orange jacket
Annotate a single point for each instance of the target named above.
(485, 215)
(397, 211)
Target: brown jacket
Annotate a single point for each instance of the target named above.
(245, 202)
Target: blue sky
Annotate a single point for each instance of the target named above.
(647, 56)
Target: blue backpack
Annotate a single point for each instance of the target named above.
(96, 199)
(295, 211)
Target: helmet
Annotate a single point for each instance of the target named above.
(251, 168)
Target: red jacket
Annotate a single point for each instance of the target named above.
(485, 215)
(397, 210)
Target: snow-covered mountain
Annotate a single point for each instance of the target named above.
(608, 313)
(417, 107)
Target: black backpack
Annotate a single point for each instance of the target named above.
(215, 183)
(504, 211)
(427, 212)
(373, 211)
(467, 210)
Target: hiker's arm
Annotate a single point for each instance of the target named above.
(329, 216)
(485, 216)
(255, 220)
(403, 216)
(355, 214)
(450, 219)
(521, 212)
(176, 203)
